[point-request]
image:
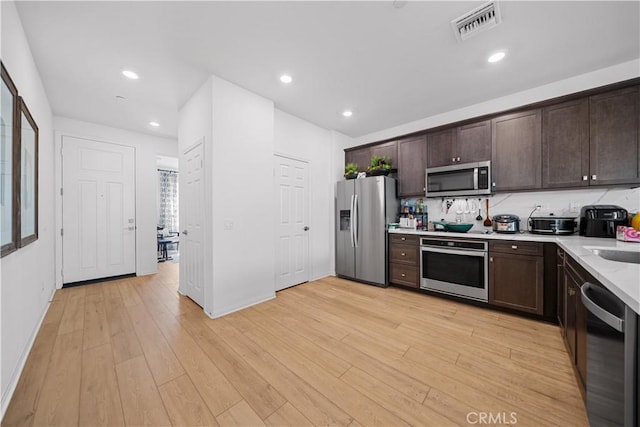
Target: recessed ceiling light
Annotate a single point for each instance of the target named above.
(130, 74)
(154, 124)
(496, 57)
(347, 113)
(285, 78)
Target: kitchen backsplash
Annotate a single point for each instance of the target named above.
(560, 203)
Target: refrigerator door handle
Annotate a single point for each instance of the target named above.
(353, 243)
(355, 223)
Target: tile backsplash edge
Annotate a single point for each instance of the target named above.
(557, 202)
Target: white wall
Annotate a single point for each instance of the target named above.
(238, 131)
(242, 173)
(147, 148)
(27, 275)
(602, 77)
(195, 124)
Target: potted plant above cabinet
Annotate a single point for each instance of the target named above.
(351, 171)
(380, 165)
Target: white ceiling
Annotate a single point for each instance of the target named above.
(389, 65)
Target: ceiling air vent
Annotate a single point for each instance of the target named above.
(479, 19)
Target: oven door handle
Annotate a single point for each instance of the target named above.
(480, 254)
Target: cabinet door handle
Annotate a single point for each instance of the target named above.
(514, 246)
(594, 177)
(493, 184)
(403, 238)
(403, 275)
(457, 159)
(490, 259)
(403, 254)
(453, 159)
(585, 177)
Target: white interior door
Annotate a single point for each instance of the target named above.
(192, 216)
(98, 210)
(292, 228)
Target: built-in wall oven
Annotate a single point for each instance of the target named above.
(455, 267)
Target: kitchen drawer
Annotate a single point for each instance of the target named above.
(515, 247)
(403, 253)
(401, 274)
(404, 238)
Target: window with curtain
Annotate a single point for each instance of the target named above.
(168, 200)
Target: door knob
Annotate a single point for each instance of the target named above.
(306, 228)
(185, 232)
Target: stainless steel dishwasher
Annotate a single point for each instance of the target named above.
(611, 359)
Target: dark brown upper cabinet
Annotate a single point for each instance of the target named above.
(387, 149)
(463, 144)
(473, 142)
(516, 151)
(565, 144)
(614, 144)
(412, 160)
(360, 156)
(441, 148)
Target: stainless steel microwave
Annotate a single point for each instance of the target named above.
(466, 179)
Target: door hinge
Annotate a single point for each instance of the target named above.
(62, 231)
(61, 191)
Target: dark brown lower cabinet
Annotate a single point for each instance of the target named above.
(561, 289)
(575, 329)
(404, 264)
(516, 276)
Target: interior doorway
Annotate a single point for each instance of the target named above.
(168, 219)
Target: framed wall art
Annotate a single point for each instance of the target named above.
(28, 177)
(8, 168)
(18, 170)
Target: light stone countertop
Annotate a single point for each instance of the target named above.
(622, 279)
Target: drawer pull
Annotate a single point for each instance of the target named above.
(403, 238)
(403, 275)
(403, 254)
(514, 246)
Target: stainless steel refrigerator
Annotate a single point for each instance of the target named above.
(364, 207)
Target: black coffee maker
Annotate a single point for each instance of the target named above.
(602, 220)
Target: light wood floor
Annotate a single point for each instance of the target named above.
(330, 352)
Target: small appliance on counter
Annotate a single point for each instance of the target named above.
(506, 223)
(551, 224)
(602, 220)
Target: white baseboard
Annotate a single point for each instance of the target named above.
(233, 310)
(321, 276)
(8, 394)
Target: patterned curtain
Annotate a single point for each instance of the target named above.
(168, 200)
